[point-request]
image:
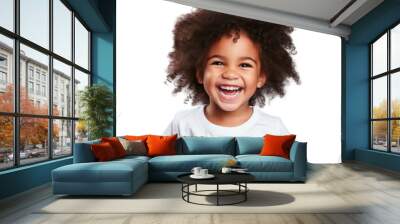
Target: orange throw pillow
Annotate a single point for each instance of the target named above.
(103, 152)
(116, 145)
(136, 138)
(161, 145)
(275, 145)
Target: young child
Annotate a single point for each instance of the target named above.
(229, 64)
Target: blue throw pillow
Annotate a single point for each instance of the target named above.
(249, 145)
(207, 145)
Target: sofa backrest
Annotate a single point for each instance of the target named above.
(206, 145)
(249, 145)
(83, 152)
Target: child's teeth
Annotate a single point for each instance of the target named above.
(231, 88)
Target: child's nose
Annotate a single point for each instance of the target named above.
(230, 74)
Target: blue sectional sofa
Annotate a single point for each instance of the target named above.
(125, 176)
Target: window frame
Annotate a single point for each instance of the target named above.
(15, 71)
(388, 74)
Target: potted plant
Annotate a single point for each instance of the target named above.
(97, 106)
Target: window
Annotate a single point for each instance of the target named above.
(37, 89)
(3, 78)
(3, 60)
(7, 14)
(37, 75)
(43, 90)
(30, 72)
(30, 87)
(81, 45)
(54, 126)
(3, 72)
(385, 91)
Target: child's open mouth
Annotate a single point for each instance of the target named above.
(229, 92)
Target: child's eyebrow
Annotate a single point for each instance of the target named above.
(241, 58)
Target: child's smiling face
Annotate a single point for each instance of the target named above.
(232, 72)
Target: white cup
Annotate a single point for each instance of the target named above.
(203, 172)
(196, 170)
(226, 170)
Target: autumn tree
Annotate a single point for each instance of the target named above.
(380, 127)
(33, 131)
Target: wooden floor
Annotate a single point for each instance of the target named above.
(377, 188)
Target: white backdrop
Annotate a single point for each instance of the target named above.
(145, 104)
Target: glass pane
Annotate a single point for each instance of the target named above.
(395, 94)
(379, 98)
(6, 142)
(62, 89)
(81, 45)
(7, 14)
(62, 137)
(6, 74)
(35, 21)
(379, 55)
(81, 131)
(33, 139)
(62, 29)
(81, 81)
(395, 47)
(34, 81)
(379, 135)
(395, 136)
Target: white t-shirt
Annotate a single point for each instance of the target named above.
(193, 122)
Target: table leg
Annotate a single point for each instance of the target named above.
(245, 193)
(196, 188)
(217, 194)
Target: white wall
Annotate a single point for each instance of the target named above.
(145, 103)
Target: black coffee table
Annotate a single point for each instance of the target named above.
(239, 179)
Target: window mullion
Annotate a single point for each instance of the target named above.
(50, 81)
(389, 106)
(73, 82)
(16, 84)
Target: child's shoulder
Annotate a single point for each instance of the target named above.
(188, 114)
(263, 116)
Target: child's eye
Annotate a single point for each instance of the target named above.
(217, 63)
(246, 65)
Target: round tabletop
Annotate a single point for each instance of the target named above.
(220, 178)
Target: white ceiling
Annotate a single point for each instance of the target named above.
(316, 15)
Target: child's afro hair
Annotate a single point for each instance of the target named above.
(195, 32)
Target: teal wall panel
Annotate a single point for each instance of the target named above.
(24, 178)
(355, 114)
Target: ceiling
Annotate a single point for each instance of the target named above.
(326, 16)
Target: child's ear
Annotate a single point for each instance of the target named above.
(261, 80)
(199, 77)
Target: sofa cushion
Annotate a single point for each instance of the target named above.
(185, 163)
(277, 145)
(249, 145)
(257, 163)
(161, 145)
(207, 145)
(116, 145)
(103, 152)
(111, 171)
(83, 152)
(134, 147)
